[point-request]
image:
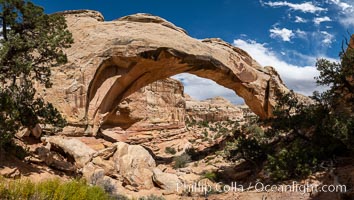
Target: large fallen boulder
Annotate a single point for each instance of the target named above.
(74, 147)
(54, 160)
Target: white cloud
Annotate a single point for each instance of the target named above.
(298, 78)
(201, 88)
(347, 21)
(300, 20)
(284, 33)
(319, 20)
(328, 38)
(342, 5)
(306, 7)
(347, 15)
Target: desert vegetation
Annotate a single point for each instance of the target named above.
(51, 189)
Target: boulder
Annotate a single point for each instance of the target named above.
(37, 131)
(74, 147)
(8, 172)
(166, 181)
(92, 173)
(106, 165)
(23, 132)
(54, 160)
(107, 152)
(135, 165)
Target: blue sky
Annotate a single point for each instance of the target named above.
(287, 34)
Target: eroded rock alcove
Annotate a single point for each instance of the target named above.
(110, 60)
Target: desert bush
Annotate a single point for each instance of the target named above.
(14, 149)
(203, 124)
(250, 143)
(190, 122)
(295, 160)
(223, 131)
(210, 175)
(193, 154)
(181, 161)
(251, 149)
(170, 150)
(214, 129)
(107, 185)
(50, 189)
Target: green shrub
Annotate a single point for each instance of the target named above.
(251, 149)
(296, 160)
(210, 175)
(193, 153)
(181, 161)
(190, 123)
(223, 131)
(213, 129)
(170, 150)
(250, 144)
(203, 124)
(12, 148)
(50, 189)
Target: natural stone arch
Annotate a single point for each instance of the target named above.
(128, 74)
(111, 60)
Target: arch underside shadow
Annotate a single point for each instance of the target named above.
(118, 77)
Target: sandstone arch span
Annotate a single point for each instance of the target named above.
(111, 60)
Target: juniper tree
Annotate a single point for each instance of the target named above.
(31, 43)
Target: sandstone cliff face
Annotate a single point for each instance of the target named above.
(159, 105)
(111, 60)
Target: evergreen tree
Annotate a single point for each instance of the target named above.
(340, 78)
(31, 44)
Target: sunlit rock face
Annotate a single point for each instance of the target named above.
(111, 60)
(159, 105)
